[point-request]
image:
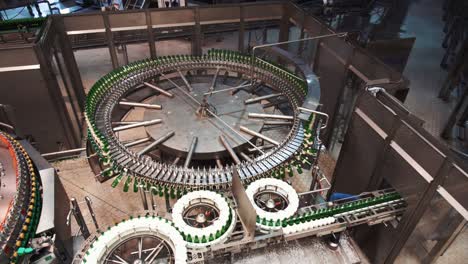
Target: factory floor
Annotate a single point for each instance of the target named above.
(111, 206)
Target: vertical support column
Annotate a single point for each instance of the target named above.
(328, 133)
(110, 41)
(376, 178)
(151, 42)
(284, 27)
(125, 53)
(197, 34)
(302, 36)
(91, 212)
(241, 47)
(317, 49)
(79, 218)
(69, 58)
(72, 137)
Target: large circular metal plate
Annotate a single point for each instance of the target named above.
(177, 74)
(180, 114)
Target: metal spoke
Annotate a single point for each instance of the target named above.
(140, 247)
(137, 142)
(260, 98)
(253, 133)
(228, 147)
(269, 116)
(153, 252)
(185, 81)
(156, 142)
(115, 261)
(162, 91)
(227, 89)
(150, 106)
(139, 124)
(213, 82)
(121, 259)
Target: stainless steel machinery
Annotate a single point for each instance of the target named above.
(32, 229)
(223, 133)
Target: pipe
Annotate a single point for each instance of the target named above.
(318, 113)
(257, 99)
(228, 147)
(70, 151)
(278, 123)
(149, 106)
(265, 116)
(119, 123)
(253, 133)
(143, 123)
(137, 142)
(261, 148)
(155, 143)
(219, 164)
(162, 91)
(7, 126)
(185, 81)
(246, 157)
(213, 82)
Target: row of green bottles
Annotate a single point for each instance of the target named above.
(169, 192)
(338, 209)
(13, 24)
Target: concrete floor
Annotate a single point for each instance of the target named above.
(424, 21)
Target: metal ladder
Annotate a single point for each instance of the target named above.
(135, 4)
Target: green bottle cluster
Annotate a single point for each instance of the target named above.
(14, 24)
(310, 147)
(338, 209)
(276, 69)
(135, 183)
